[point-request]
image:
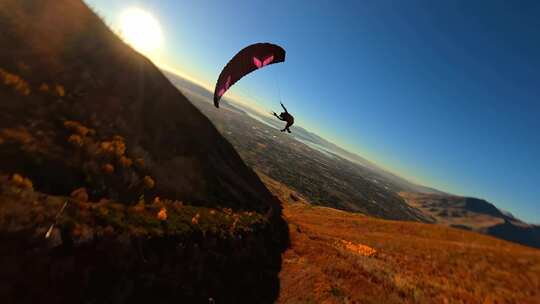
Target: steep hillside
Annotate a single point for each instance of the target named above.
(473, 214)
(108, 252)
(342, 257)
(158, 205)
(110, 88)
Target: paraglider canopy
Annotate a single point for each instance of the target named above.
(249, 59)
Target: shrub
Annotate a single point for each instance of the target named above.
(19, 135)
(162, 214)
(27, 183)
(195, 219)
(78, 128)
(115, 147)
(21, 182)
(60, 90)
(17, 178)
(80, 194)
(106, 147)
(75, 140)
(139, 207)
(119, 148)
(44, 87)
(15, 82)
(139, 162)
(149, 182)
(125, 162)
(108, 168)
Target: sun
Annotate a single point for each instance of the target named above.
(141, 30)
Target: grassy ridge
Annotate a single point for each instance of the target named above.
(386, 261)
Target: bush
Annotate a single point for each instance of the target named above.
(75, 140)
(149, 182)
(80, 194)
(162, 214)
(16, 82)
(108, 168)
(22, 182)
(125, 162)
(44, 87)
(60, 90)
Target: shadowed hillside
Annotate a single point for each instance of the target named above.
(80, 110)
(109, 87)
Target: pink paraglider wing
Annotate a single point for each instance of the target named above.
(225, 86)
(221, 92)
(228, 83)
(268, 60)
(247, 60)
(257, 62)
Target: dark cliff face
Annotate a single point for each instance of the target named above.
(113, 89)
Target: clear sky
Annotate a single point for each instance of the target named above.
(445, 93)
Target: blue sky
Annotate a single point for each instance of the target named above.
(445, 93)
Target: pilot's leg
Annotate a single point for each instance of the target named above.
(287, 127)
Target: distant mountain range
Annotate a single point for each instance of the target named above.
(474, 214)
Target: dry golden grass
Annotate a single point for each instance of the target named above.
(357, 248)
(418, 263)
(413, 263)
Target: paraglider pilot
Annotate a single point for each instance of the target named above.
(285, 116)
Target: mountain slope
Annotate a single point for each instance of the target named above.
(158, 205)
(342, 257)
(473, 214)
(414, 263)
(113, 89)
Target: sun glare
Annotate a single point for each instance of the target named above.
(141, 30)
